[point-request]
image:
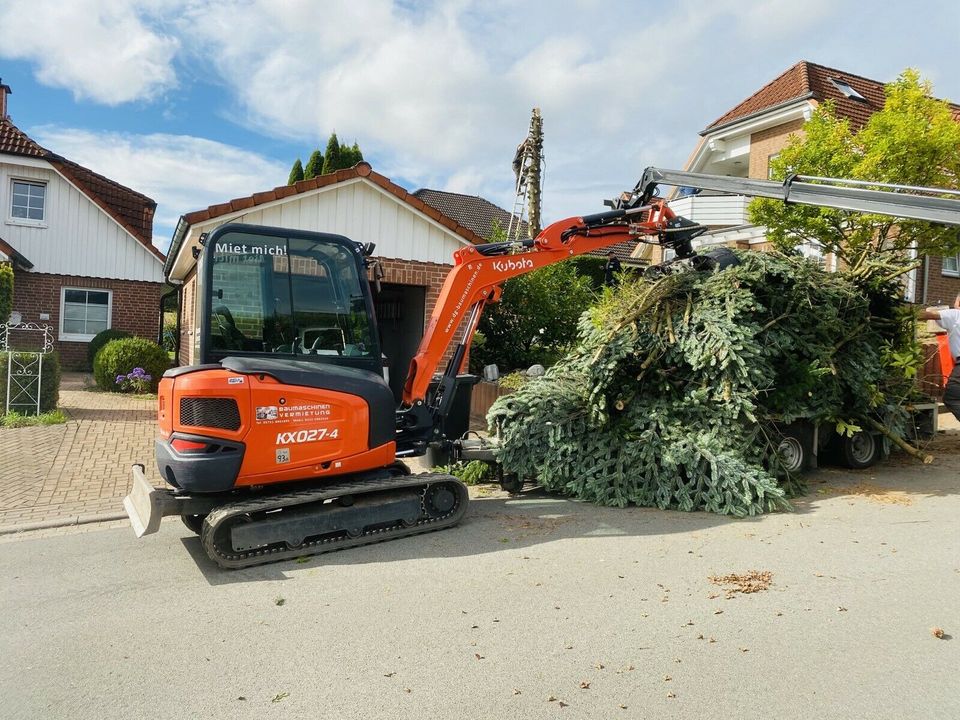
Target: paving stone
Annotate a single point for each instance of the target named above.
(81, 467)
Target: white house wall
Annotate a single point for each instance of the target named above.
(358, 209)
(78, 238)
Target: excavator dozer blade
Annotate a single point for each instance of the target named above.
(145, 504)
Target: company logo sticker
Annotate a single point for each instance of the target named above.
(266, 413)
(235, 381)
(293, 414)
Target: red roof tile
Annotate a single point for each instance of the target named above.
(132, 210)
(809, 80)
(15, 142)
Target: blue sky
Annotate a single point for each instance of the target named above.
(194, 102)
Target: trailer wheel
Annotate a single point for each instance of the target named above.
(793, 455)
(859, 451)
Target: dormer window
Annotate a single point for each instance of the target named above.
(844, 87)
(28, 201)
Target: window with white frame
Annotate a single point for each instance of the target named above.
(770, 159)
(951, 266)
(84, 313)
(27, 200)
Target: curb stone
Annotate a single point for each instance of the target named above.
(65, 521)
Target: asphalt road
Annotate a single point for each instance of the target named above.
(532, 607)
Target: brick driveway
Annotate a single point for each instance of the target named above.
(81, 468)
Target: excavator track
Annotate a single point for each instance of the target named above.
(294, 524)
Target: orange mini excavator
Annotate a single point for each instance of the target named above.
(292, 444)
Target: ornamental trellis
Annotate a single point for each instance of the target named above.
(25, 366)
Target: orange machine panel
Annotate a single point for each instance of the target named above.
(290, 432)
(296, 432)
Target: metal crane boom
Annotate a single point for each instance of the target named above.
(903, 201)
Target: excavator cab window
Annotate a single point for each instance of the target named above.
(300, 295)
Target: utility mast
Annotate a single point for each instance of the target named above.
(528, 169)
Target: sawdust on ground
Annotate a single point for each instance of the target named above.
(870, 492)
(746, 583)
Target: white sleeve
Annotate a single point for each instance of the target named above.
(949, 319)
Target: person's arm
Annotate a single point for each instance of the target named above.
(929, 315)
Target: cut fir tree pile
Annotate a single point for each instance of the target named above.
(674, 393)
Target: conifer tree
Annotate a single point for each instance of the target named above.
(296, 173)
(331, 159)
(314, 165)
(350, 155)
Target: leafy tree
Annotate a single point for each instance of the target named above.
(296, 173)
(536, 318)
(331, 158)
(913, 140)
(314, 165)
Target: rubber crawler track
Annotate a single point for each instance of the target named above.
(227, 558)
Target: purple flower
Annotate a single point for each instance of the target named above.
(120, 379)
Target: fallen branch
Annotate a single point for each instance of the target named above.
(900, 443)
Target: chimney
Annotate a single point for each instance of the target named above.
(4, 91)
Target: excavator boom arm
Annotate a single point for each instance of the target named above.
(480, 270)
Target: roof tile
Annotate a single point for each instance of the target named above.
(471, 211)
(809, 80)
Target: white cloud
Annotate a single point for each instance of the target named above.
(438, 92)
(182, 173)
(443, 90)
(106, 52)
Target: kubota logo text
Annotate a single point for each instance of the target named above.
(305, 436)
(503, 266)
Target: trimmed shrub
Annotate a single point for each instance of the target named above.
(6, 291)
(101, 339)
(49, 382)
(120, 357)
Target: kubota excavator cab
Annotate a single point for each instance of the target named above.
(289, 383)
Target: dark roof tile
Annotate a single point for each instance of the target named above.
(469, 210)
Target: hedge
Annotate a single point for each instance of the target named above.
(49, 382)
(6, 291)
(119, 357)
(101, 339)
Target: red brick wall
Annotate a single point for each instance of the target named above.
(136, 307)
(942, 288)
(769, 142)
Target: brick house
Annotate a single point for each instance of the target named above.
(80, 245)
(415, 242)
(742, 141)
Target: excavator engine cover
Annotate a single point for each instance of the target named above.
(259, 421)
